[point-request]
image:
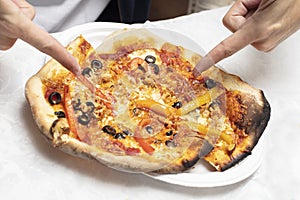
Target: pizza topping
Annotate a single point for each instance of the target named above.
(84, 119)
(119, 136)
(136, 62)
(150, 59)
(155, 107)
(140, 67)
(155, 67)
(109, 130)
(87, 72)
(140, 140)
(149, 129)
(170, 143)
(54, 98)
(60, 114)
(127, 132)
(86, 111)
(70, 112)
(91, 106)
(88, 107)
(195, 103)
(177, 105)
(210, 83)
(59, 127)
(76, 105)
(169, 133)
(96, 64)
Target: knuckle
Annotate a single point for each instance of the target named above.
(263, 46)
(32, 12)
(226, 20)
(230, 23)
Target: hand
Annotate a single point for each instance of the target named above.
(261, 23)
(15, 22)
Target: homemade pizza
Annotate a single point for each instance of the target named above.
(137, 106)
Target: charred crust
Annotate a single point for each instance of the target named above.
(235, 160)
(259, 120)
(187, 164)
(254, 127)
(181, 166)
(256, 118)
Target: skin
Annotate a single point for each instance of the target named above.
(262, 23)
(16, 22)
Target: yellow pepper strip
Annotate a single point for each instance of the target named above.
(209, 132)
(227, 138)
(201, 129)
(195, 103)
(156, 107)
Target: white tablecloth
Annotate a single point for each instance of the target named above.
(31, 168)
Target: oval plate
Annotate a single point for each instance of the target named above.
(201, 175)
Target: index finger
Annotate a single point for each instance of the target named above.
(44, 42)
(224, 49)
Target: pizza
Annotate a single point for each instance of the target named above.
(137, 106)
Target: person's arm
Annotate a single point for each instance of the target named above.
(261, 23)
(15, 22)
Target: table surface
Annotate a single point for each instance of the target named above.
(33, 169)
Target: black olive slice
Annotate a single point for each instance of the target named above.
(214, 104)
(61, 130)
(210, 83)
(169, 133)
(91, 105)
(140, 67)
(96, 64)
(119, 136)
(109, 130)
(149, 129)
(54, 98)
(170, 143)
(84, 119)
(87, 72)
(126, 132)
(150, 59)
(155, 67)
(177, 105)
(60, 114)
(53, 126)
(76, 106)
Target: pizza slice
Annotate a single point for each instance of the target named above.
(247, 112)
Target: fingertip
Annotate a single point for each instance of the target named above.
(75, 68)
(205, 63)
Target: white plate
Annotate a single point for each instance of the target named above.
(201, 175)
